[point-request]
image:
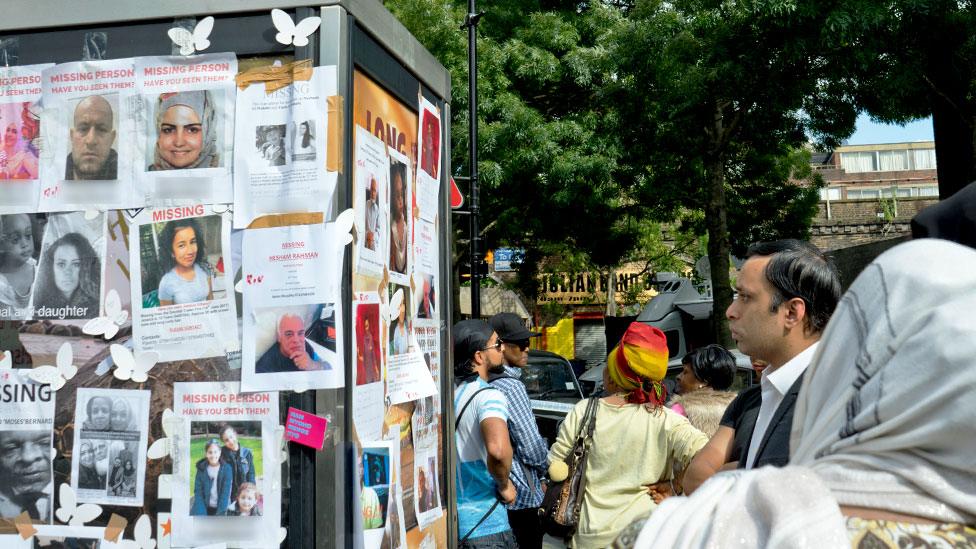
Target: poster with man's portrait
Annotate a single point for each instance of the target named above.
(371, 203)
(69, 280)
(26, 423)
(111, 429)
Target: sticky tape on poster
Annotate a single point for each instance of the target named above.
(116, 524)
(333, 154)
(24, 526)
(275, 77)
(284, 220)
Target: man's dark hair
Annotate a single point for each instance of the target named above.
(713, 365)
(800, 269)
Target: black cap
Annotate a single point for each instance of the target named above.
(510, 327)
(470, 336)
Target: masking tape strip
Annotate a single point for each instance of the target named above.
(284, 220)
(116, 524)
(275, 77)
(24, 526)
(333, 156)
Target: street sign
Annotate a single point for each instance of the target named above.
(457, 199)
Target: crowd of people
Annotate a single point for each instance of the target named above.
(858, 433)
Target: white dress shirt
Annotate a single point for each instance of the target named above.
(775, 385)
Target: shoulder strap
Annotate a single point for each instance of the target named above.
(589, 420)
(465, 407)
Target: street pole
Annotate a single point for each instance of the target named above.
(471, 22)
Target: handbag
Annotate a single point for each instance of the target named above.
(561, 504)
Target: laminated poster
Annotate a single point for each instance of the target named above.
(426, 490)
(26, 424)
(58, 537)
(69, 279)
(185, 128)
(378, 465)
(183, 301)
(292, 309)
(401, 218)
(369, 392)
(428, 160)
(89, 136)
(371, 203)
(108, 464)
(280, 149)
(20, 93)
(231, 437)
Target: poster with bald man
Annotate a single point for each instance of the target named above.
(88, 119)
(108, 461)
(292, 308)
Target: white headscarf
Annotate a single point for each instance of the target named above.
(884, 419)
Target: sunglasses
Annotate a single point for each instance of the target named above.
(522, 344)
(497, 346)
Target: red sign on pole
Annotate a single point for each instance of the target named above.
(457, 199)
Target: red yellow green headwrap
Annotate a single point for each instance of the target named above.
(639, 362)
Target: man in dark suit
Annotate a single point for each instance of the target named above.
(787, 291)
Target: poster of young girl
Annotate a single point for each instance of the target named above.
(225, 466)
(20, 92)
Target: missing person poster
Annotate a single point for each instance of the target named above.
(26, 424)
(225, 466)
(69, 281)
(20, 249)
(371, 203)
(185, 125)
(369, 392)
(87, 123)
(428, 160)
(401, 217)
(292, 309)
(426, 489)
(280, 149)
(108, 464)
(20, 94)
(183, 301)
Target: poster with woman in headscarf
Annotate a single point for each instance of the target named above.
(187, 118)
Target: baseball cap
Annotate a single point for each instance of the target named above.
(470, 336)
(510, 327)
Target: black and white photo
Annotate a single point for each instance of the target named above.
(26, 427)
(68, 284)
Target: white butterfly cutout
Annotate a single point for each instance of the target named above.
(108, 325)
(92, 214)
(6, 360)
(343, 227)
(189, 42)
(142, 536)
(282, 534)
(282, 443)
(163, 447)
(56, 376)
(72, 513)
(291, 34)
(391, 312)
(132, 366)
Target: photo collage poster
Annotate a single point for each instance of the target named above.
(184, 306)
(111, 431)
(185, 122)
(292, 309)
(20, 121)
(395, 282)
(226, 485)
(89, 135)
(280, 149)
(26, 442)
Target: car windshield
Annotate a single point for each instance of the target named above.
(549, 378)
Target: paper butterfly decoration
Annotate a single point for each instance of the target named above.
(92, 214)
(291, 34)
(108, 325)
(56, 376)
(142, 536)
(162, 447)
(391, 312)
(129, 366)
(282, 534)
(73, 514)
(343, 226)
(189, 42)
(6, 360)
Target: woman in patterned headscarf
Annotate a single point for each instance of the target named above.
(636, 441)
(186, 132)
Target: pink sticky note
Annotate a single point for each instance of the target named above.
(305, 428)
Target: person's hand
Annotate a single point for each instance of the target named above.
(302, 360)
(660, 491)
(507, 492)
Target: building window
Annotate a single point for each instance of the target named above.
(928, 191)
(830, 193)
(924, 159)
(854, 162)
(893, 161)
(863, 193)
